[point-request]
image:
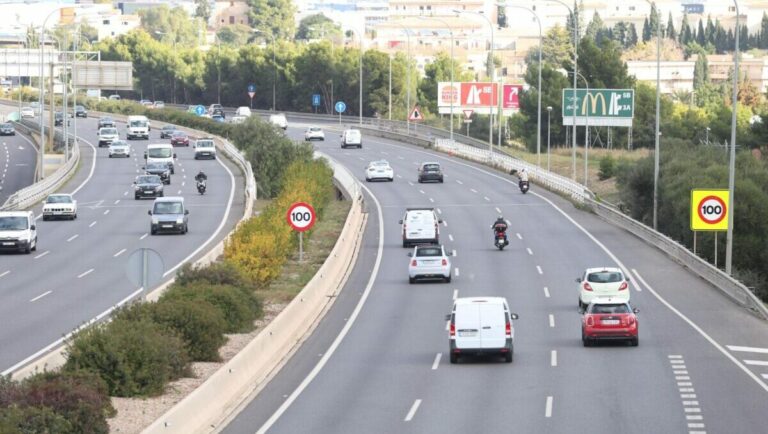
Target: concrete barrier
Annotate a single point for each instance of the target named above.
(208, 405)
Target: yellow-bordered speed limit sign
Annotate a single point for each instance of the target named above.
(709, 210)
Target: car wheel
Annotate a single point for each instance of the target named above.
(441, 180)
(45, 218)
(635, 342)
(110, 155)
(136, 197)
(162, 194)
(508, 356)
(411, 279)
(454, 358)
(74, 217)
(448, 279)
(587, 342)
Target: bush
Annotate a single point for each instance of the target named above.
(134, 358)
(607, 167)
(238, 307)
(33, 420)
(217, 273)
(200, 324)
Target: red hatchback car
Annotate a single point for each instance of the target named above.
(606, 319)
(179, 138)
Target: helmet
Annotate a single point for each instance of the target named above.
(501, 217)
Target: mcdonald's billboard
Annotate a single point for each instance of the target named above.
(599, 107)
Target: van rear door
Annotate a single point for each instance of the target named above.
(467, 322)
(492, 325)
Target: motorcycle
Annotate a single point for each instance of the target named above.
(201, 186)
(524, 186)
(501, 240)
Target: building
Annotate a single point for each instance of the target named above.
(226, 13)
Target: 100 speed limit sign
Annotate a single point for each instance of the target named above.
(301, 216)
(709, 210)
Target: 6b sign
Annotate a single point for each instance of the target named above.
(301, 216)
(709, 210)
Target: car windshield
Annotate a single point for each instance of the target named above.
(380, 164)
(106, 120)
(169, 128)
(315, 129)
(179, 134)
(431, 167)
(605, 277)
(13, 223)
(168, 208)
(58, 199)
(157, 166)
(6, 125)
(79, 108)
(610, 308)
(205, 144)
(148, 179)
(159, 153)
(108, 131)
(429, 251)
(139, 124)
(117, 144)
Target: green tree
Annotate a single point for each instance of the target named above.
(654, 21)
(170, 25)
(557, 48)
(318, 26)
(631, 40)
(701, 37)
(646, 31)
(594, 27)
(700, 71)
(764, 32)
(203, 10)
(235, 35)
(274, 17)
(671, 33)
(436, 71)
(685, 35)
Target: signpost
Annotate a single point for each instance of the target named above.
(468, 118)
(340, 107)
(599, 107)
(199, 110)
(709, 212)
(301, 216)
(316, 101)
(145, 269)
(251, 92)
(415, 114)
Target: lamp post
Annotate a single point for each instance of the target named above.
(274, 66)
(732, 160)
(360, 64)
(706, 136)
(549, 112)
(493, 75)
(586, 132)
(408, 77)
(42, 93)
(576, 70)
(450, 31)
(538, 89)
(658, 109)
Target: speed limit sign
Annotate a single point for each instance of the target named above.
(301, 216)
(709, 210)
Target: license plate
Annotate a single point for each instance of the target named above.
(148, 191)
(610, 322)
(468, 334)
(8, 244)
(57, 213)
(167, 226)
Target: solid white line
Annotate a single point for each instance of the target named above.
(455, 293)
(81, 275)
(143, 236)
(347, 326)
(551, 320)
(756, 362)
(40, 255)
(548, 407)
(40, 296)
(93, 223)
(530, 252)
(637, 287)
(553, 358)
(450, 237)
(118, 253)
(5, 273)
(538, 268)
(459, 182)
(437, 361)
(546, 292)
(72, 237)
(456, 272)
(412, 411)
(519, 237)
(106, 212)
(747, 349)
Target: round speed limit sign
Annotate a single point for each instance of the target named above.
(712, 210)
(301, 216)
(709, 210)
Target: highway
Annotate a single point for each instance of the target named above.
(18, 158)
(78, 271)
(378, 361)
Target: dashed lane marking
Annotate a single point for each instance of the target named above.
(42, 254)
(85, 273)
(40, 296)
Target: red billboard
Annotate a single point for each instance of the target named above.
(479, 94)
(512, 96)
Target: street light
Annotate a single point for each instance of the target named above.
(706, 136)
(360, 64)
(586, 133)
(42, 93)
(538, 89)
(549, 112)
(658, 109)
(274, 66)
(408, 77)
(732, 162)
(445, 23)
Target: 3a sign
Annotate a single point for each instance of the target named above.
(709, 210)
(599, 107)
(301, 216)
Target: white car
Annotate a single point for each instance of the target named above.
(119, 148)
(205, 148)
(429, 262)
(379, 170)
(603, 282)
(107, 135)
(60, 206)
(314, 133)
(279, 120)
(27, 112)
(159, 104)
(238, 119)
(243, 111)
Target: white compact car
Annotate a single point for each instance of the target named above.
(238, 119)
(18, 231)
(205, 148)
(379, 170)
(60, 206)
(27, 112)
(481, 325)
(603, 282)
(279, 120)
(243, 111)
(420, 226)
(119, 148)
(107, 135)
(429, 262)
(314, 133)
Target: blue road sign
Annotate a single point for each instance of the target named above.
(251, 88)
(340, 107)
(199, 110)
(316, 99)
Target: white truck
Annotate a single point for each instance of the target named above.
(137, 127)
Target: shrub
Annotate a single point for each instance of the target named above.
(200, 324)
(33, 420)
(607, 167)
(217, 273)
(134, 358)
(239, 308)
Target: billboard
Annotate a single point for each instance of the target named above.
(103, 75)
(599, 107)
(479, 97)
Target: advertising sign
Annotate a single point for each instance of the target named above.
(511, 96)
(599, 107)
(481, 97)
(709, 210)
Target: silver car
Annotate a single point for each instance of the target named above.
(429, 262)
(119, 148)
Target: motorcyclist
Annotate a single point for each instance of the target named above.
(523, 175)
(500, 227)
(201, 176)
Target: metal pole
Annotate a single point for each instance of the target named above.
(586, 140)
(715, 249)
(274, 74)
(658, 109)
(144, 272)
(706, 136)
(450, 31)
(218, 67)
(361, 79)
(390, 87)
(301, 246)
(549, 113)
(732, 163)
(408, 78)
(575, 70)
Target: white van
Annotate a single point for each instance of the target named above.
(160, 153)
(18, 231)
(279, 121)
(352, 137)
(243, 111)
(420, 226)
(481, 325)
(137, 127)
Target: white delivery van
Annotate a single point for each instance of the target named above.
(279, 120)
(137, 127)
(243, 111)
(160, 153)
(420, 226)
(481, 325)
(351, 137)
(18, 231)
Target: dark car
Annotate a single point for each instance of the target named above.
(106, 121)
(58, 119)
(159, 169)
(7, 129)
(430, 172)
(81, 112)
(179, 138)
(169, 215)
(218, 118)
(167, 131)
(218, 112)
(147, 186)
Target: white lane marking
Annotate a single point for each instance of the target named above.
(551, 320)
(691, 403)
(445, 223)
(72, 237)
(117, 201)
(118, 253)
(695, 425)
(677, 362)
(40, 296)
(498, 210)
(680, 372)
(450, 237)
(747, 349)
(686, 389)
(384, 153)
(421, 191)
(347, 326)
(487, 198)
(5, 273)
(437, 361)
(453, 253)
(456, 272)
(519, 237)
(473, 190)
(400, 158)
(553, 358)
(431, 200)
(125, 193)
(692, 410)
(711, 340)
(548, 407)
(528, 249)
(694, 417)
(143, 236)
(40, 255)
(765, 376)
(83, 274)
(682, 377)
(439, 211)
(184, 176)
(412, 411)
(183, 183)
(756, 362)
(635, 284)
(93, 223)
(546, 292)
(399, 176)
(178, 192)
(410, 183)
(106, 211)
(538, 268)
(684, 384)
(687, 396)
(455, 293)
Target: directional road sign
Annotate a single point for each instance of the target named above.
(301, 216)
(199, 110)
(316, 100)
(340, 107)
(599, 107)
(251, 90)
(709, 210)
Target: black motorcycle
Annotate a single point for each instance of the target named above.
(201, 186)
(524, 186)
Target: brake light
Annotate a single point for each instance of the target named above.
(590, 321)
(453, 330)
(445, 262)
(587, 287)
(623, 286)
(413, 263)
(508, 329)
(631, 320)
